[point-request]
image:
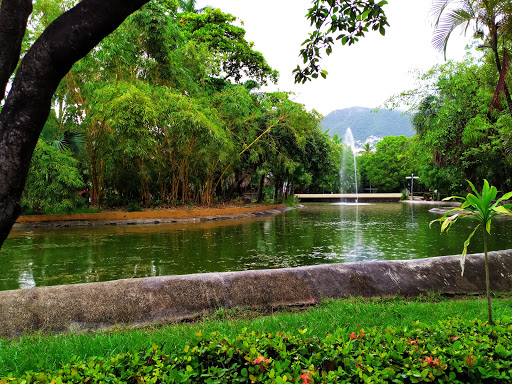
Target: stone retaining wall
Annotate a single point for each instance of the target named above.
(170, 298)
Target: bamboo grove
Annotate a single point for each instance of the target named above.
(167, 110)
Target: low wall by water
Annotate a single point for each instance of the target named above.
(171, 298)
(350, 197)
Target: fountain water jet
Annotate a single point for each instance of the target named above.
(349, 143)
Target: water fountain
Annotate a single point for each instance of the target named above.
(349, 144)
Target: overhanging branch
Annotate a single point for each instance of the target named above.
(14, 16)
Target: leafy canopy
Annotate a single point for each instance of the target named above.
(226, 42)
(345, 20)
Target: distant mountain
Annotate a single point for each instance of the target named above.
(365, 123)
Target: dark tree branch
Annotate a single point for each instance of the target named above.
(69, 38)
(13, 23)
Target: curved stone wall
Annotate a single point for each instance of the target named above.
(170, 298)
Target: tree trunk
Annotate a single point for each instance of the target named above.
(494, 47)
(69, 38)
(487, 279)
(261, 186)
(237, 186)
(509, 100)
(14, 16)
(277, 187)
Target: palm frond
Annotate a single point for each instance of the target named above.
(506, 147)
(438, 8)
(74, 141)
(506, 21)
(449, 18)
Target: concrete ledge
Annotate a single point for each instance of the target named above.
(361, 197)
(171, 298)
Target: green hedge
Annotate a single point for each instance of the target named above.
(453, 351)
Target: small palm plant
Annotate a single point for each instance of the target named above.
(484, 208)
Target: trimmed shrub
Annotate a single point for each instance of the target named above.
(453, 351)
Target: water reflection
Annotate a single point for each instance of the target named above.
(26, 279)
(316, 234)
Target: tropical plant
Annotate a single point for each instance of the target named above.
(366, 148)
(484, 208)
(457, 139)
(189, 6)
(486, 16)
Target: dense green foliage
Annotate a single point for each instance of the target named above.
(164, 118)
(491, 22)
(462, 111)
(387, 167)
(167, 111)
(459, 137)
(455, 351)
(53, 183)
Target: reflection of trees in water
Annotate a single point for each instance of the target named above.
(317, 234)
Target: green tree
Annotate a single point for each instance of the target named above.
(53, 181)
(226, 43)
(36, 75)
(484, 208)
(388, 166)
(322, 158)
(486, 16)
(457, 138)
(151, 52)
(189, 6)
(154, 137)
(367, 148)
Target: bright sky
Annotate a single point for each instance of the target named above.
(365, 74)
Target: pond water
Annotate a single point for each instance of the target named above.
(314, 234)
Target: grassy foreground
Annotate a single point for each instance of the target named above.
(38, 352)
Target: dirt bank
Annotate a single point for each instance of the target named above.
(148, 217)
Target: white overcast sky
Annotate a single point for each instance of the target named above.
(365, 74)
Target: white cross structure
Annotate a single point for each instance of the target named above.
(412, 177)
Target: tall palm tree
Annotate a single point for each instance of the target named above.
(189, 6)
(490, 19)
(366, 149)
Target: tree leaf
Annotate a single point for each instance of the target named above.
(465, 250)
(506, 196)
(473, 188)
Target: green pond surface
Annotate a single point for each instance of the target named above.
(312, 235)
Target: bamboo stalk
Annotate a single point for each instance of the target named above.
(249, 146)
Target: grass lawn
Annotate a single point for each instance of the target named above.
(39, 352)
